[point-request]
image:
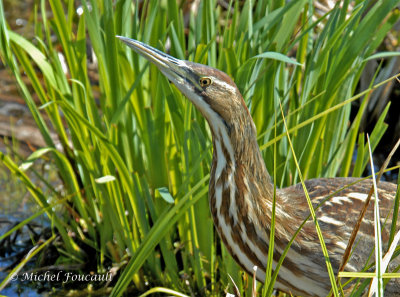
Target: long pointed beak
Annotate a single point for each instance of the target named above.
(174, 69)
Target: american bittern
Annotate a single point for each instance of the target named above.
(241, 191)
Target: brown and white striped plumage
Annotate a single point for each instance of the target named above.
(241, 191)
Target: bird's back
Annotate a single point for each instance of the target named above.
(337, 216)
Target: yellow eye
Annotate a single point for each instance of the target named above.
(205, 81)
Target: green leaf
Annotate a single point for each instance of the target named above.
(33, 157)
(105, 179)
(277, 56)
(36, 55)
(382, 55)
(165, 194)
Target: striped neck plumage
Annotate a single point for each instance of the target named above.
(238, 166)
(240, 191)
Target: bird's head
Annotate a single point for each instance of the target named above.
(212, 91)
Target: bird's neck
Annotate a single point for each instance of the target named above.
(240, 186)
(241, 194)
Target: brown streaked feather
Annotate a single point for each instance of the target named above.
(346, 212)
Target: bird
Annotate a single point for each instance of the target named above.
(241, 191)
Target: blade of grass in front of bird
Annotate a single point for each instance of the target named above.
(392, 249)
(269, 268)
(352, 238)
(385, 262)
(377, 283)
(395, 211)
(349, 274)
(286, 250)
(232, 269)
(360, 290)
(318, 229)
